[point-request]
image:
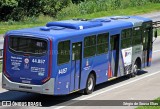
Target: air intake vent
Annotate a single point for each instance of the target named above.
(100, 20)
(80, 19)
(120, 17)
(75, 24)
(52, 27)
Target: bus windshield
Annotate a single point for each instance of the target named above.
(27, 45)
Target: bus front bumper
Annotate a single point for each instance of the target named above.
(47, 88)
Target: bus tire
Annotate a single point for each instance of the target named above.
(135, 69)
(90, 84)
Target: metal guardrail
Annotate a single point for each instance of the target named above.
(1, 55)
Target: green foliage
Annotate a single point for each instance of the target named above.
(92, 6)
(155, 1)
(51, 7)
(6, 7)
(77, 1)
(138, 2)
(10, 3)
(158, 32)
(157, 101)
(71, 10)
(43, 19)
(21, 9)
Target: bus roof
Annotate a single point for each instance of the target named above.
(74, 27)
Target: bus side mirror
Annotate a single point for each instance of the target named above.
(155, 33)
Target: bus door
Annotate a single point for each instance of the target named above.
(146, 46)
(114, 40)
(76, 65)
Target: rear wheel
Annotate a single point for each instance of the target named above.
(135, 70)
(90, 84)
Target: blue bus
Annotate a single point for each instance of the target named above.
(72, 55)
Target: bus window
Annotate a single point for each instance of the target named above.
(102, 43)
(89, 46)
(27, 45)
(63, 52)
(137, 34)
(126, 38)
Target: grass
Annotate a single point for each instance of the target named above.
(158, 32)
(42, 20)
(10, 25)
(151, 107)
(128, 11)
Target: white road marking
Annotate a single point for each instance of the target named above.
(121, 85)
(99, 93)
(156, 51)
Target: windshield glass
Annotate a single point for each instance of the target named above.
(27, 45)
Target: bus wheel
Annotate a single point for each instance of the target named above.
(90, 84)
(135, 70)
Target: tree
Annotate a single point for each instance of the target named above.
(51, 7)
(78, 1)
(6, 8)
(20, 9)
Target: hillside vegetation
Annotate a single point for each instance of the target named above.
(17, 10)
(16, 14)
(93, 6)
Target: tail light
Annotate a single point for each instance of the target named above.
(50, 62)
(5, 56)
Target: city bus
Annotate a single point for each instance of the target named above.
(67, 56)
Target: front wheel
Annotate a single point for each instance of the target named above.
(90, 84)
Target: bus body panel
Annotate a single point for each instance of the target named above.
(47, 88)
(62, 79)
(121, 64)
(26, 69)
(19, 70)
(30, 73)
(127, 60)
(72, 76)
(101, 67)
(137, 53)
(150, 58)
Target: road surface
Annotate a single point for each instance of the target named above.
(145, 86)
(155, 16)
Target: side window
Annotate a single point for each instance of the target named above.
(63, 52)
(126, 38)
(89, 46)
(102, 43)
(137, 34)
(147, 35)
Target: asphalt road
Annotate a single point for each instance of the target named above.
(145, 86)
(155, 16)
